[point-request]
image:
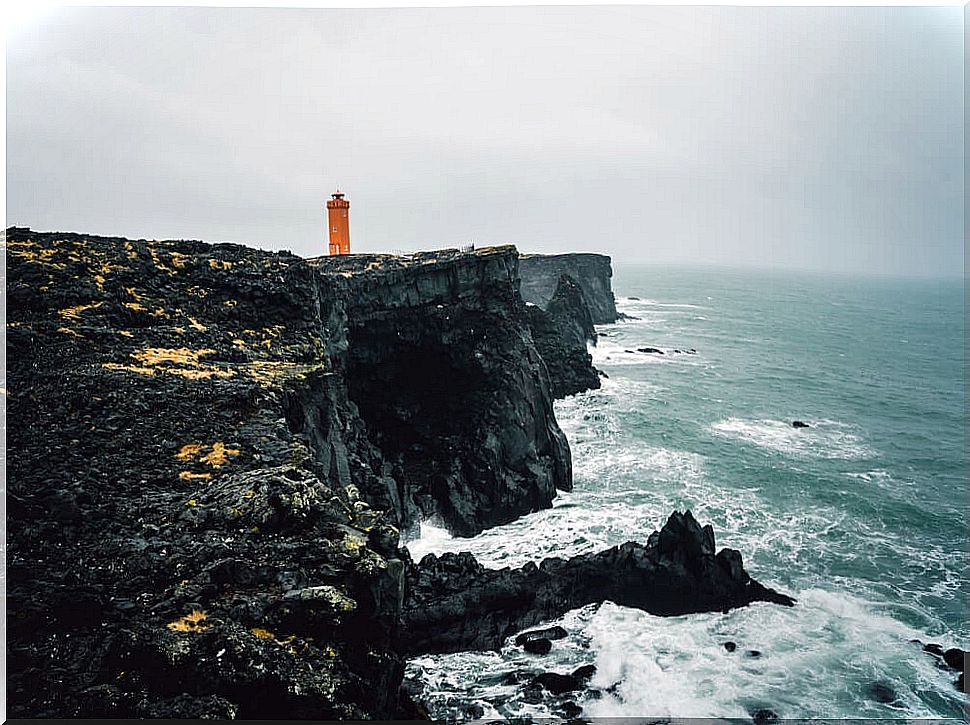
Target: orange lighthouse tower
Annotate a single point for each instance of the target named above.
(338, 219)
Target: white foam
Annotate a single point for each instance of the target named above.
(629, 303)
(815, 661)
(433, 539)
(678, 666)
(824, 439)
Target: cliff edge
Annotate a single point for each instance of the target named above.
(540, 275)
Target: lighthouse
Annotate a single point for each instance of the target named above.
(338, 221)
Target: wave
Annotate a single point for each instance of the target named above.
(792, 661)
(629, 302)
(679, 666)
(607, 352)
(824, 439)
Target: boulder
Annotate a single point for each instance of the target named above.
(538, 646)
(764, 716)
(955, 658)
(555, 632)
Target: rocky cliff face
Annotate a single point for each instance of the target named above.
(445, 373)
(561, 333)
(540, 275)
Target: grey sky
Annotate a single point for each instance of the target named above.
(826, 138)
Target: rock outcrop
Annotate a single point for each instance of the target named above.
(186, 532)
(561, 333)
(540, 273)
(454, 603)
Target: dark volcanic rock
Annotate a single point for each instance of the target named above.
(454, 603)
(730, 646)
(799, 424)
(561, 332)
(652, 350)
(188, 536)
(557, 683)
(764, 716)
(537, 646)
(556, 632)
(446, 376)
(933, 649)
(540, 273)
(955, 658)
(570, 709)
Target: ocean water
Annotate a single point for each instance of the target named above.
(861, 517)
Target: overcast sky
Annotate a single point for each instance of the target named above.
(820, 138)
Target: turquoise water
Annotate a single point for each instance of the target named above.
(861, 516)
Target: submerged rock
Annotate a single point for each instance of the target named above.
(555, 632)
(799, 424)
(557, 683)
(454, 603)
(730, 646)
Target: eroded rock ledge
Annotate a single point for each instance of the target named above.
(454, 603)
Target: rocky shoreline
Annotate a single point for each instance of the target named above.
(216, 451)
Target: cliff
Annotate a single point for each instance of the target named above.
(561, 333)
(540, 275)
(447, 378)
(213, 450)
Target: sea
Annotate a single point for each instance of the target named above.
(862, 516)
